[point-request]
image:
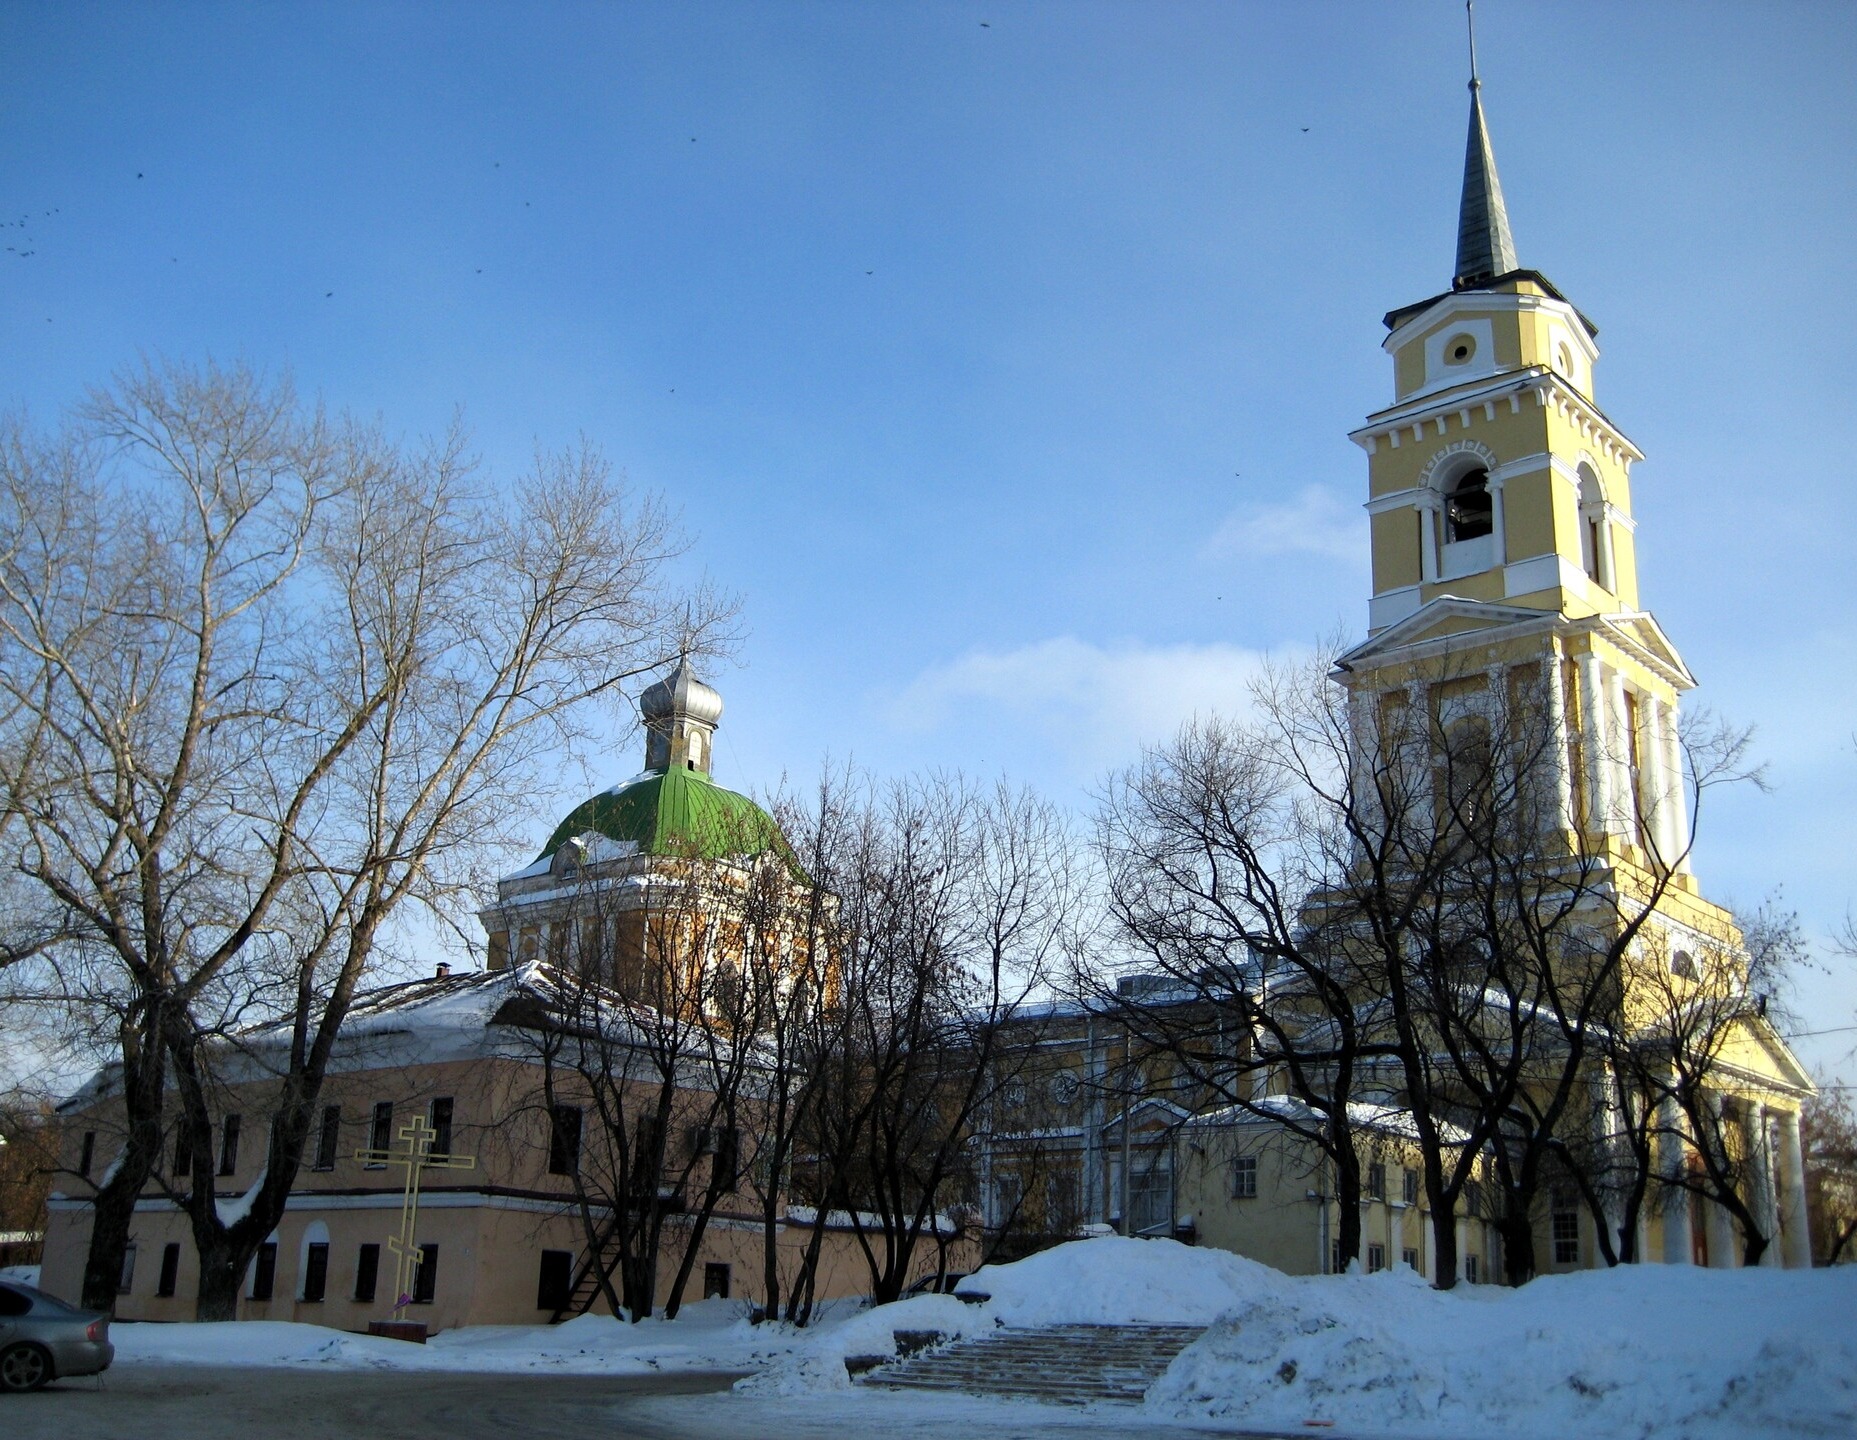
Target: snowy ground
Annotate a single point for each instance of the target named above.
(1638, 1353)
(709, 1335)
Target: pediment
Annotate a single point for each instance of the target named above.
(1638, 633)
(1765, 1055)
(1441, 619)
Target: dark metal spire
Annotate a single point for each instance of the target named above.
(1485, 249)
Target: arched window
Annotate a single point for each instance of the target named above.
(1468, 511)
(1595, 542)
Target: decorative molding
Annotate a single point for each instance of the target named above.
(1450, 454)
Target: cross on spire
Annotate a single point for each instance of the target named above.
(1485, 249)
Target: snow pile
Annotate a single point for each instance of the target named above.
(1119, 1281)
(1641, 1351)
(818, 1362)
(710, 1335)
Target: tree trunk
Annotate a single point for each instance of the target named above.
(222, 1275)
(112, 1213)
(1518, 1242)
(1444, 1245)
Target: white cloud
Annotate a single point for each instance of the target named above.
(1087, 707)
(1316, 522)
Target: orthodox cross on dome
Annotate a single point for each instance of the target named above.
(415, 1153)
(1485, 248)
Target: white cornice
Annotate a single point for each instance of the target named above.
(1403, 424)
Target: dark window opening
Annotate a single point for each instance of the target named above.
(367, 1272)
(229, 1145)
(425, 1278)
(647, 1144)
(715, 1282)
(553, 1290)
(725, 1165)
(1244, 1178)
(1411, 1257)
(1469, 511)
(315, 1273)
(380, 1132)
(264, 1271)
(169, 1279)
(563, 1139)
(87, 1154)
(1412, 1187)
(441, 1126)
(1376, 1181)
(1376, 1259)
(329, 1137)
(1566, 1228)
(127, 1279)
(1684, 964)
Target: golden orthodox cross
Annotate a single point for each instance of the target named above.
(416, 1155)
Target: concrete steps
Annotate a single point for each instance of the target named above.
(1061, 1364)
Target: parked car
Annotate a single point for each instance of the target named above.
(42, 1338)
(936, 1284)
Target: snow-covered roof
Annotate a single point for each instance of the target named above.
(1376, 1116)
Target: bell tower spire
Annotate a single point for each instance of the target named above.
(1485, 248)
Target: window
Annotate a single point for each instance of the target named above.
(1376, 1181)
(169, 1279)
(425, 1278)
(1410, 1259)
(380, 1132)
(1151, 1198)
(1334, 1257)
(1472, 1271)
(554, 1288)
(563, 1139)
(229, 1145)
(264, 1271)
(726, 1162)
(715, 1282)
(1566, 1227)
(647, 1144)
(315, 1273)
(1473, 1198)
(126, 1280)
(1684, 964)
(367, 1271)
(1468, 511)
(1411, 1178)
(329, 1137)
(1244, 1178)
(1376, 1259)
(441, 1126)
(1008, 1194)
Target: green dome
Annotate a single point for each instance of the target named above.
(675, 812)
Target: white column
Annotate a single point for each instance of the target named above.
(1559, 808)
(1428, 538)
(1723, 1251)
(1651, 753)
(1795, 1226)
(1677, 818)
(1595, 742)
(1608, 575)
(1498, 544)
(1618, 758)
(1678, 1248)
(1760, 1161)
(1606, 1127)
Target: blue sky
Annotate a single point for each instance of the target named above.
(1003, 369)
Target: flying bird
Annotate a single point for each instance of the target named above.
(138, 174)
(328, 295)
(1305, 129)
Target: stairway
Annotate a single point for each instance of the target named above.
(1062, 1364)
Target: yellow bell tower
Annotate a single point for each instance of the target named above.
(1500, 504)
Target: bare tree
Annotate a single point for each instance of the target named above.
(290, 676)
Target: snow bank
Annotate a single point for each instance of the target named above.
(710, 1335)
(818, 1359)
(1118, 1281)
(1641, 1351)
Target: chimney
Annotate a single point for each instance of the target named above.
(443, 972)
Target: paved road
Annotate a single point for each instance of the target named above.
(186, 1402)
